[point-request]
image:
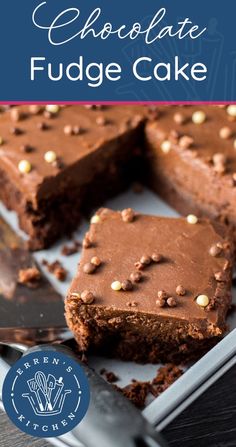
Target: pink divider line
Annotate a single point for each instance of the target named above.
(119, 102)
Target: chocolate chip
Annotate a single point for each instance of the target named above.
(16, 115)
(68, 130)
(171, 302)
(136, 277)
(76, 130)
(179, 118)
(127, 285)
(58, 163)
(127, 215)
(180, 290)
(87, 297)
(160, 302)
(47, 114)
(16, 131)
(35, 109)
(186, 142)
(215, 250)
(101, 120)
(220, 168)
(139, 266)
(71, 130)
(162, 294)
(89, 106)
(42, 126)
(219, 158)
(87, 242)
(26, 148)
(96, 261)
(225, 133)
(89, 268)
(219, 161)
(220, 276)
(146, 260)
(156, 257)
(131, 304)
(94, 106)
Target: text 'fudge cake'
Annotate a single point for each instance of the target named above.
(55, 161)
(151, 288)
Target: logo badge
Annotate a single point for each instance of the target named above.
(46, 394)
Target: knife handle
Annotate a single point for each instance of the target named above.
(111, 419)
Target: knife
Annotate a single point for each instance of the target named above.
(111, 420)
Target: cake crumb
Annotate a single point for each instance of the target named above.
(56, 269)
(68, 250)
(166, 375)
(110, 376)
(29, 277)
(138, 391)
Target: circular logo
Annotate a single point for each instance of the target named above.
(46, 394)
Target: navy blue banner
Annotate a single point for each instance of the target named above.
(87, 50)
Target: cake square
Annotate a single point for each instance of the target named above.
(192, 159)
(151, 288)
(60, 160)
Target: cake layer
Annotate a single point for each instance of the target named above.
(151, 288)
(192, 159)
(56, 161)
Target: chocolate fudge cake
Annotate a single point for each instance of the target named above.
(151, 288)
(60, 161)
(192, 159)
(55, 161)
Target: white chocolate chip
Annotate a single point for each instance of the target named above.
(116, 285)
(202, 300)
(198, 117)
(192, 219)
(231, 110)
(50, 156)
(166, 146)
(52, 108)
(24, 166)
(95, 219)
(234, 144)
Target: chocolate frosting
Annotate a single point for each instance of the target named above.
(203, 171)
(96, 127)
(186, 261)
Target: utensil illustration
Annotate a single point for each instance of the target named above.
(50, 394)
(51, 383)
(34, 389)
(61, 386)
(41, 382)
